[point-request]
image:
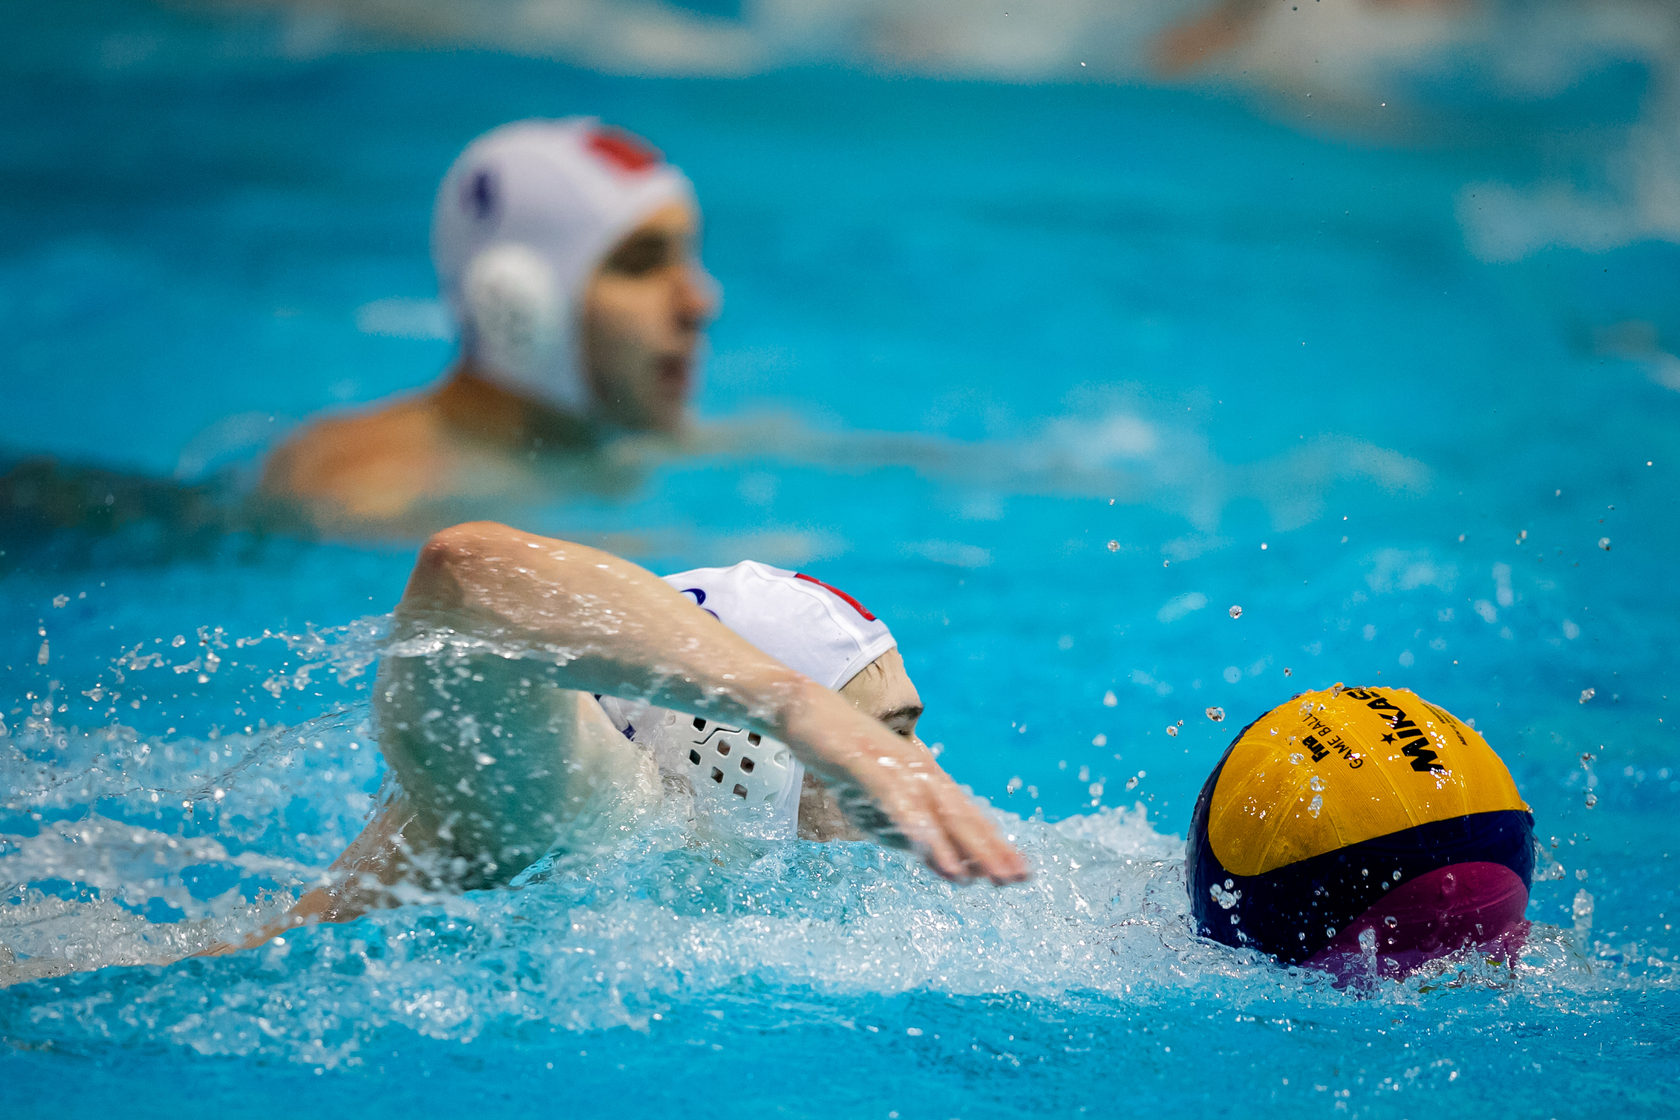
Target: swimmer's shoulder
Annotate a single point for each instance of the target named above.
(370, 464)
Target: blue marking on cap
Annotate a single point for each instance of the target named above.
(699, 600)
(480, 195)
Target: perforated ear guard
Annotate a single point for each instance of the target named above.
(743, 763)
(722, 761)
(727, 767)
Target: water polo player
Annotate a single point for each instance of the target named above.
(539, 694)
(1360, 821)
(566, 253)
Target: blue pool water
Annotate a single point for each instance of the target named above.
(1054, 375)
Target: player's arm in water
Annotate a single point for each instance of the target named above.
(486, 713)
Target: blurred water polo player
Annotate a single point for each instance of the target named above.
(1360, 822)
(565, 252)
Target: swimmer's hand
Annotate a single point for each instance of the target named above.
(892, 789)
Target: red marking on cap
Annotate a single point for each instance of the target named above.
(623, 150)
(835, 591)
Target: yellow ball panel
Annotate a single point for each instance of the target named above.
(1338, 767)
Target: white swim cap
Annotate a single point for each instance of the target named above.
(811, 627)
(522, 218)
(819, 630)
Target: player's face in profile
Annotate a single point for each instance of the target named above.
(642, 318)
(885, 691)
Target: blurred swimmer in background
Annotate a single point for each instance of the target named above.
(566, 252)
(1227, 27)
(540, 697)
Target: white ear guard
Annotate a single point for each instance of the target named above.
(730, 761)
(727, 767)
(515, 317)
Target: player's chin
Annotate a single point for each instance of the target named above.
(665, 407)
(672, 379)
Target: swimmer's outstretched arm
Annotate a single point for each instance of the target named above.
(615, 628)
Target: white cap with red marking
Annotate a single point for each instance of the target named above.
(800, 621)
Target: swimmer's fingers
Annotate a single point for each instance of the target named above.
(904, 822)
(869, 818)
(894, 791)
(932, 814)
(965, 843)
(982, 848)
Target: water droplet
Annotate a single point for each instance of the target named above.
(1297, 758)
(1109, 699)
(1588, 694)
(1114, 546)
(1582, 911)
(1604, 543)
(1171, 730)
(1216, 714)
(60, 600)
(1236, 612)
(1391, 921)
(1337, 689)
(1288, 672)
(1013, 786)
(1591, 799)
